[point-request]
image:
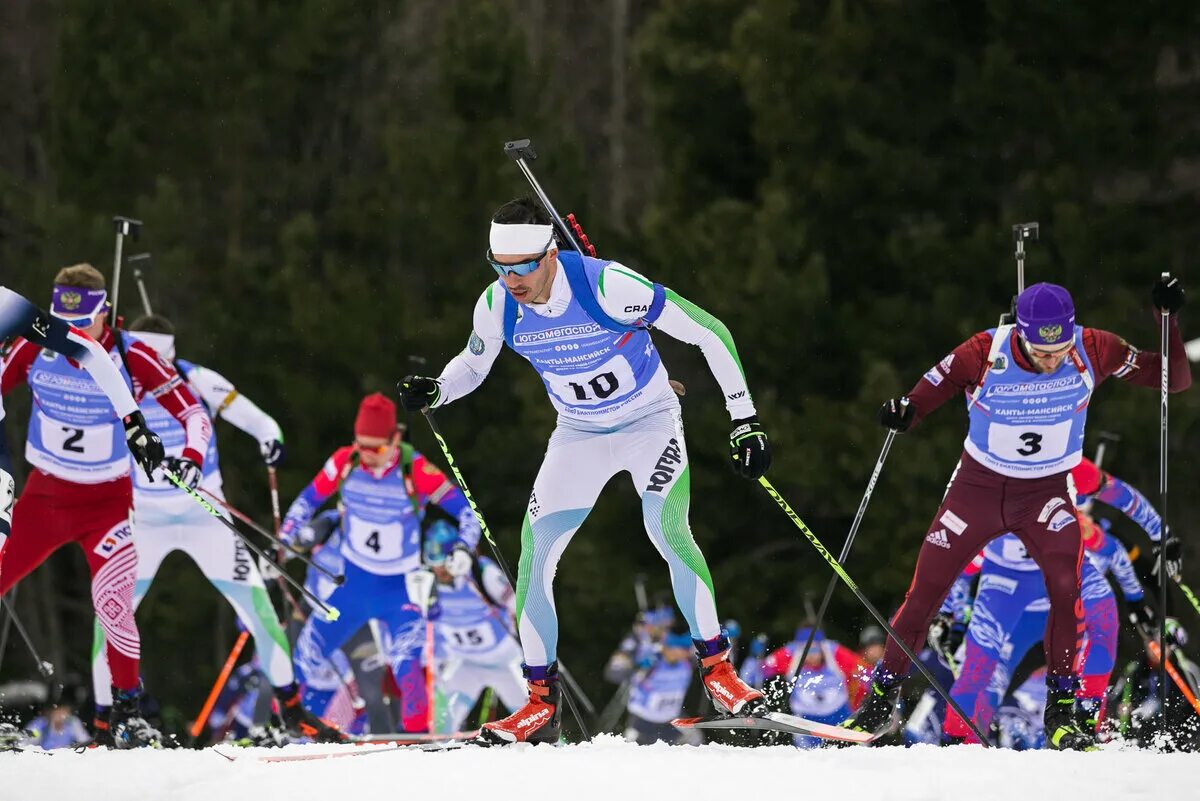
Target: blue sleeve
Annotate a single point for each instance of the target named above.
(1123, 572)
(454, 503)
(1119, 495)
(959, 599)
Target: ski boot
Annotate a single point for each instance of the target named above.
(539, 721)
(878, 711)
(269, 736)
(101, 733)
(126, 726)
(1063, 732)
(728, 693)
(299, 722)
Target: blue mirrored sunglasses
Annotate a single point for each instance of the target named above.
(521, 268)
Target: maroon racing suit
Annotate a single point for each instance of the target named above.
(981, 504)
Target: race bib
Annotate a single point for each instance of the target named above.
(379, 542)
(471, 639)
(86, 444)
(1013, 550)
(1029, 443)
(608, 382)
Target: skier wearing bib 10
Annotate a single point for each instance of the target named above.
(1027, 390)
(79, 489)
(384, 485)
(583, 324)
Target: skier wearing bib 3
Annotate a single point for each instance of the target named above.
(1027, 391)
(583, 324)
(384, 485)
(79, 489)
(20, 318)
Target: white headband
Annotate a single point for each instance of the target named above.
(519, 238)
(162, 344)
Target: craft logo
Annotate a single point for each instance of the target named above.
(70, 300)
(1050, 333)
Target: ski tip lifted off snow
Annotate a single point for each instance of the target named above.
(777, 721)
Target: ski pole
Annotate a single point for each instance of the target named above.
(219, 684)
(125, 227)
(331, 613)
(1187, 592)
(798, 661)
(1023, 232)
(1165, 664)
(245, 518)
(44, 667)
(462, 485)
(849, 582)
(136, 263)
(1164, 394)
(287, 598)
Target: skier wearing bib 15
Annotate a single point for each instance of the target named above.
(79, 489)
(384, 485)
(20, 318)
(1027, 391)
(583, 324)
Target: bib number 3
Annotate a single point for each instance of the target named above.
(1029, 443)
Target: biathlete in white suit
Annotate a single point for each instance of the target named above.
(584, 325)
(474, 625)
(383, 486)
(166, 520)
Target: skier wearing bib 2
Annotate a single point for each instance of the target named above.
(79, 489)
(167, 520)
(20, 318)
(1027, 391)
(584, 325)
(384, 485)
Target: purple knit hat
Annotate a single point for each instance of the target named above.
(1046, 315)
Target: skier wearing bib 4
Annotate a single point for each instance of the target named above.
(20, 318)
(383, 486)
(1027, 391)
(80, 489)
(167, 520)
(475, 625)
(584, 325)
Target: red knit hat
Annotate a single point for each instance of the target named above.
(376, 417)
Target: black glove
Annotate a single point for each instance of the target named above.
(1168, 294)
(945, 634)
(1174, 551)
(272, 451)
(185, 470)
(417, 392)
(896, 414)
(749, 448)
(1142, 616)
(144, 444)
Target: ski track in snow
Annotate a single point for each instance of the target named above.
(601, 769)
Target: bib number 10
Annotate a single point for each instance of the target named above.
(611, 380)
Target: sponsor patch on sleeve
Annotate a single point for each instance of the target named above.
(933, 376)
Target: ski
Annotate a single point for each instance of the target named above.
(776, 721)
(363, 749)
(405, 738)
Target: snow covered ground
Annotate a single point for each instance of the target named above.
(603, 769)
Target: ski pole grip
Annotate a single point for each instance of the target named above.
(520, 149)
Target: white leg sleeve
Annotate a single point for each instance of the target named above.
(577, 466)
